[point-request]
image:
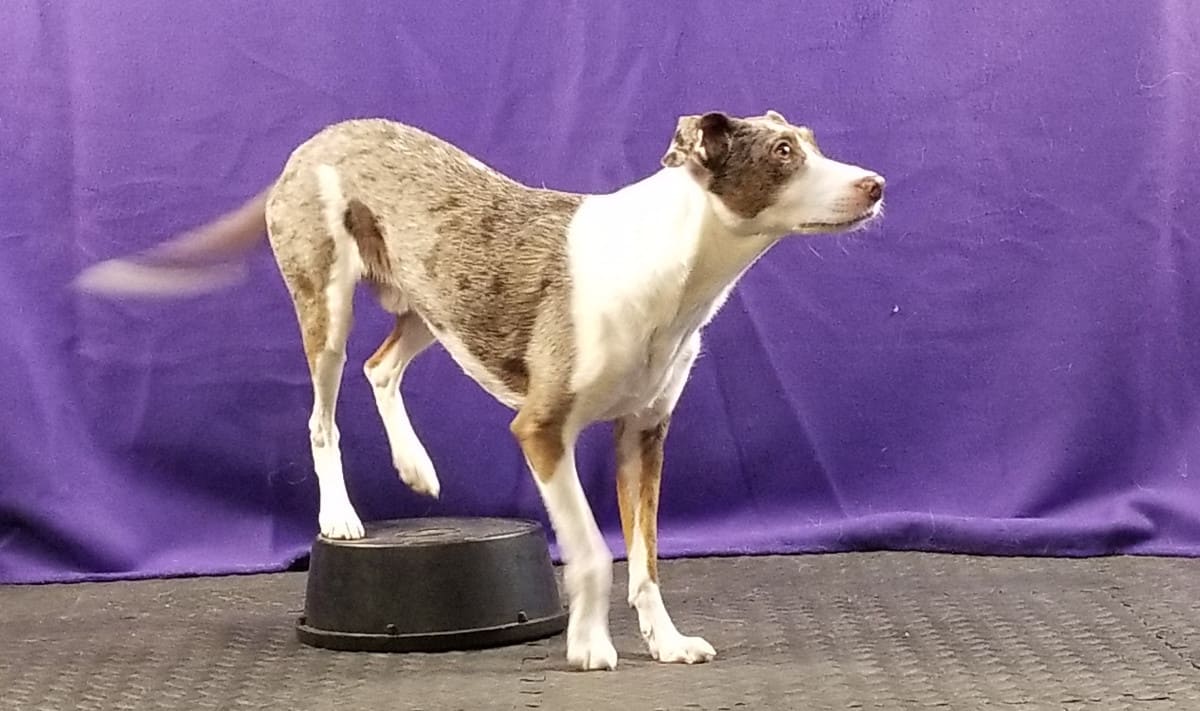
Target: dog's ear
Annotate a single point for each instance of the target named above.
(775, 116)
(683, 144)
(703, 139)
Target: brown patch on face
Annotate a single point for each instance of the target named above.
(639, 479)
(539, 428)
(739, 160)
(750, 174)
(360, 222)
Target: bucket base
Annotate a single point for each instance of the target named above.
(432, 585)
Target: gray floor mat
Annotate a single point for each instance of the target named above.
(847, 631)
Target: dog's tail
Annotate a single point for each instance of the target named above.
(203, 259)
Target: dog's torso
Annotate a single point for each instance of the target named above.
(600, 295)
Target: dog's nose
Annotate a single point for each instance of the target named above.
(873, 187)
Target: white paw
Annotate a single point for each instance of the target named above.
(341, 523)
(591, 650)
(678, 649)
(416, 470)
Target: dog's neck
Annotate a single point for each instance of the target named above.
(651, 264)
(697, 249)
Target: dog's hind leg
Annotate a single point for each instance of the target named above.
(325, 320)
(385, 369)
(320, 274)
(324, 313)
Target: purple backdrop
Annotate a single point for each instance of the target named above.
(1009, 364)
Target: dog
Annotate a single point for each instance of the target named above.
(568, 308)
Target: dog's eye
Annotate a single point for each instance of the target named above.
(783, 150)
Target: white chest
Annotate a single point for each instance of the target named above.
(627, 371)
(649, 266)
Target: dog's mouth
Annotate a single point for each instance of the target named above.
(811, 228)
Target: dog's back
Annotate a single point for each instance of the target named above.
(480, 258)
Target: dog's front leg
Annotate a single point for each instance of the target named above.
(550, 451)
(639, 472)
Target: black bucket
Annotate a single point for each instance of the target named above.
(432, 585)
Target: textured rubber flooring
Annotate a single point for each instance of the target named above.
(853, 631)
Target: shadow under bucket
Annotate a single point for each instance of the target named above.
(432, 585)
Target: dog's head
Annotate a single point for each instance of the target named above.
(765, 175)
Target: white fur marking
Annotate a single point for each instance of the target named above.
(629, 256)
(649, 266)
(825, 193)
(408, 454)
(337, 516)
(588, 574)
(663, 640)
